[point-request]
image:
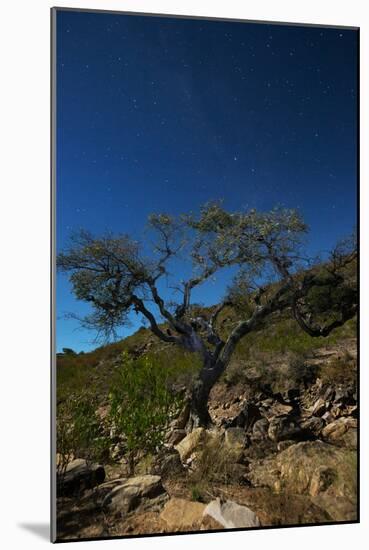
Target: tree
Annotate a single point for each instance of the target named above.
(114, 276)
(68, 351)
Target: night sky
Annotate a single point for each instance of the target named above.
(159, 114)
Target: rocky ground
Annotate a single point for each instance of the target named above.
(271, 458)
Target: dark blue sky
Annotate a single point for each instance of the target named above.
(160, 114)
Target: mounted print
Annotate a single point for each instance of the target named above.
(204, 228)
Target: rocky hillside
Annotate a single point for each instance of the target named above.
(282, 450)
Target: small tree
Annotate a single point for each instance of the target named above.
(140, 405)
(114, 276)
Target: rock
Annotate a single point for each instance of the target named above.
(351, 410)
(314, 424)
(181, 514)
(328, 417)
(231, 515)
(188, 445)
(246, 418)
(267, 402)
(139, 493)
(182, 419)
(310, 468)
(328, 394)
(175, 436)
(321, 479)
(283, 427)
(105, 488)
(315, 467)
(319, 407)
(339, 508)
(277, 409)
(260, 429)
(208, 523)
(340, 395)
(342, 431)
(80, 475)
(167, 463)
(282, 445)
(349, 439)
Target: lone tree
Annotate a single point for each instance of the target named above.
(114, 275)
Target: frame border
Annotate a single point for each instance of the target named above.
(53, 157)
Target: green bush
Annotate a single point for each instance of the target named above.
(141, 404)
(80, 431)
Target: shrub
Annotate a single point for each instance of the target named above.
(141, 404)
(80, 432)
(215, 462)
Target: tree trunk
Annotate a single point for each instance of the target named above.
(208, 376)
(199, 413)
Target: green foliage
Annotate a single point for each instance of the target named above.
(80, 432)
(282, 334)
(141, 404)
(68, 351)
(197, 493)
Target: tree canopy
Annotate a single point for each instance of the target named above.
(116, 276)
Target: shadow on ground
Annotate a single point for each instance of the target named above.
(42, 530)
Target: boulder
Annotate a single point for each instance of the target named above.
(342, 431)
(231, 515)
(313, 469)
(283, 427)
(260, 429)
(80, 475)
(105, 488)
(282, 445)
(167, 463)
(188, 445)
(246, 418)
(181, 515)
(141, 493)
(276, 409)
(314, 425)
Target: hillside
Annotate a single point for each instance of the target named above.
(282, 445)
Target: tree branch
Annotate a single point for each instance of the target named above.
(275, 303)
(140, 307)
